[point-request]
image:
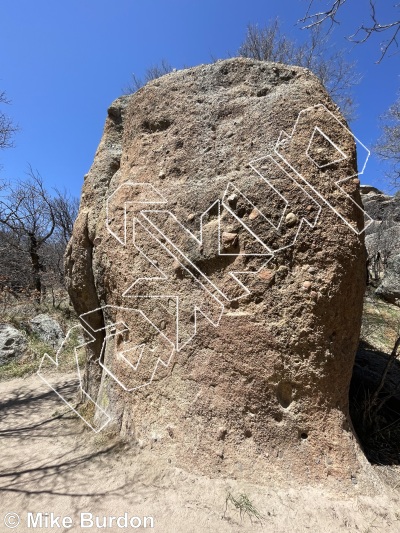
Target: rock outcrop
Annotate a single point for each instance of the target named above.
(389, 289)
(220, 270)
(47, 329)
(383, 241)
(13, 344)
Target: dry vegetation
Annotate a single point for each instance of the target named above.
(18, 311)
(375, 388)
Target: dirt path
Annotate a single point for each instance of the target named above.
(51, 464)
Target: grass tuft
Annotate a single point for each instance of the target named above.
(245, 507)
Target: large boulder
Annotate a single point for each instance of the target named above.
(383, 240)
(47, 329)
(220, 270)
(389, 289)
(13, 344)
(380, 206)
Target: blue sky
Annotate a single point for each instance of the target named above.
(63, 62)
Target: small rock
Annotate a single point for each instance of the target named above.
(232, 199)
(221, 433)
(307, 285)
(229, 240)
(191, 217)
(266, 275)
(291, 219)
(161, 174)
(177, 267)
(254, 214)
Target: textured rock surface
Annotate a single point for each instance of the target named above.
(47, 329)
(268, 386)
(13, 344)
(383, 241)
(389, 289)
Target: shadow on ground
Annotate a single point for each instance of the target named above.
(44, 447)
(376, 417)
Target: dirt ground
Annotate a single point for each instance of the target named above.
(51, 464)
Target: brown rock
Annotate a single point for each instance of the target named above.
(254, 214)
(266, 275)
(273, 373)
(229, 240)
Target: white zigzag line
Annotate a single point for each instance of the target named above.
(197, 309)
(337, 182)
(161, 200)
(125, 328)
(56, 363)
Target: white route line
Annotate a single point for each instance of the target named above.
(289, 137)
(344, 156)
(41, 372)
(184, 267)
(135, 193)
(130, 186)
(126, 328)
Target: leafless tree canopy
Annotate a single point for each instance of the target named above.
(35, 226)
(338, 75)
(65, 212)
(152, 73)
(388, 146)
(363, 32)
(7, 128)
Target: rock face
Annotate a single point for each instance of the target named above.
(215, 258)
(383, 241)
(389, 289)
(47, 329)
(13, 344)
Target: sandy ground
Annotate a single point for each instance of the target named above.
(51, 464)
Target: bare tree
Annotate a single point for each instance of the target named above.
(65, 211)
(152, 73)
(388, 146)
(338, 75)
(15, 270)
(267, 44)
(28, 213)
(7, 127)
(363, 31)
(35, 227)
